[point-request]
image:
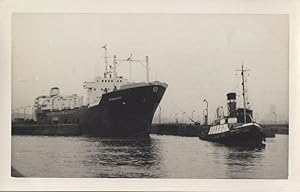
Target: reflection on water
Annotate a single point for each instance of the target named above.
(123, 157)
(239, 159)
(156, 157)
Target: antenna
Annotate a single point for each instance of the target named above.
(243, 88)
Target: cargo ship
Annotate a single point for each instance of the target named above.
(236, 129)
(115, 107)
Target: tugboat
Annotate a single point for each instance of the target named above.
(236, 129)
(115, 107)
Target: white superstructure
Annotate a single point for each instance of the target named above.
(110, 81)
(101, 85)
(57, 102)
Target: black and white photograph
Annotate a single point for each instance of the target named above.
(201, 96)
(138, 95)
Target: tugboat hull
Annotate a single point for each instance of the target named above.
(246, 135)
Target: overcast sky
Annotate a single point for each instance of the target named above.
(197, 56)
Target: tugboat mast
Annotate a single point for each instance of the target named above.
(244, 100)
(244, 97)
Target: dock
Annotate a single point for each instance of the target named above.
(188, 130)
(46, 129)
(178, 129)
(191, 130)
(271, 129)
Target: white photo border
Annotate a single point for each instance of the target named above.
(9, 7)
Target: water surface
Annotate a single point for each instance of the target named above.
(156, 157)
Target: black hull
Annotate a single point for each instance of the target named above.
(246, 136)
(123, 113)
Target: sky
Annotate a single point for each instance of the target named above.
(196, 54)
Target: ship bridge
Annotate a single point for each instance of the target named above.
(102, 85)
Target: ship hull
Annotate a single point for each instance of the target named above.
(248, 135)
(123, 113)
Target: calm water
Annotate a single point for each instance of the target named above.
(157, 157)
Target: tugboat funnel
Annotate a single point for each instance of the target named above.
(231, 103)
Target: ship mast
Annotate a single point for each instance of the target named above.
(146, 61)
(130, 67)
(115, 70)
(147, 69)
(105, 59)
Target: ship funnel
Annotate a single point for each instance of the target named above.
(54, 91)
(231, 103)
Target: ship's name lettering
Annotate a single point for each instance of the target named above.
(115, 98)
